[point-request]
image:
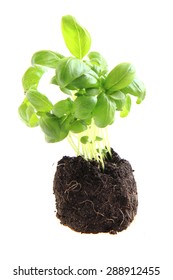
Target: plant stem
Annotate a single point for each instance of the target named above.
(97, 145)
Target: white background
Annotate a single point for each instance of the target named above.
(136, 31)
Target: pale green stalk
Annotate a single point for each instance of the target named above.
(93, 149)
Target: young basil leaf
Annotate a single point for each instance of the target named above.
(98, 138)
(88, 121)
(69, 69)
(119, 98)
(46, 58)
(120, 104)
(84, 106)
(88, 80)
(104, 111)
(32, 77)
(66, 121)
(50, 125)
(120, 77)
(97, 59)
(63, 107)
(117, 95)
(80, 92)
(39, 101)
(53, 81)
(78, 126)
(136, 88)
(27, 114)
(84, 139)
(126, 108)
(92, 91)
(76, 37)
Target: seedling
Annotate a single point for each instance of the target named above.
(96, 190)
(92, 94)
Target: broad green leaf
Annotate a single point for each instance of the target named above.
(126, 108)
(97, 59)
(78, 126)
(69, 69)
(84, 106)
(46, 58)
(136, 88)
(120, 77)
(63, 107)
(39, 101)
(104, 111)
(88, 80)
(32, 77)
(76, 37)
(27, 114)
(50, 125)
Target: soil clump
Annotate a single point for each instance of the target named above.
(92, 200)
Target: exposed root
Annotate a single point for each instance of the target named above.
(122, 215)
(87, 200)
(73, 186)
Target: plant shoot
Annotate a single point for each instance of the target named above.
(92, 94)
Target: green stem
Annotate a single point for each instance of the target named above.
(97, 146)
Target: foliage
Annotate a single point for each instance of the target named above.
(92, 94)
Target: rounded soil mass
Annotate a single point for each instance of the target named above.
(92, 200)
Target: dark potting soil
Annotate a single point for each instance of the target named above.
(92, 200)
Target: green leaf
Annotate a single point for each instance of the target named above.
(120, 77)
(118, 95)
(97, 59)
(136, 88)
(32, 77)
(98, 138)
(63, 107)
(50, 139)
(66, 121)
(66, 91)
(50, 125)
(92, 91)
(126, 108)
(78, 126)
(27, 114)
(104, 111)
(88, 80)
(120, 104)
(46, 58)
(76, 37)
(119, 98)
(39, 101)
(84, 106)
(69, 69)
(54, 81)
(84, 139)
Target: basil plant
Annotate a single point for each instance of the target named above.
(92, 94)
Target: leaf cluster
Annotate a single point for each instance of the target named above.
(92, 94)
